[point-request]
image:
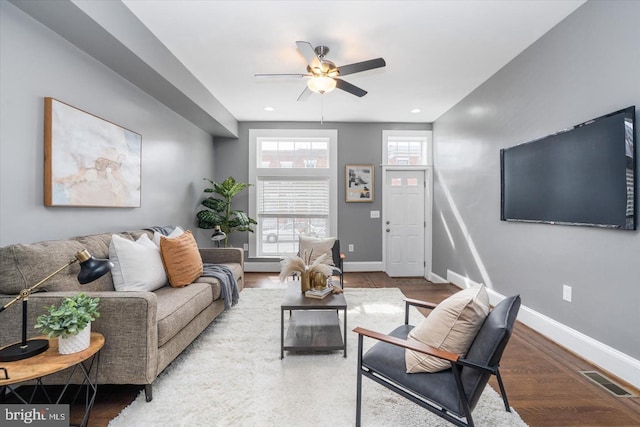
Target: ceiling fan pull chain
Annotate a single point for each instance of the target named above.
(322, 108)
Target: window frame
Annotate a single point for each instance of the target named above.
(425, 138)
(255, 172)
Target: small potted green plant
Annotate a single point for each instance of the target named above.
(70, 322)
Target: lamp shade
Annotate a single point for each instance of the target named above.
(91, 268)
(321, 84)
(218, 234)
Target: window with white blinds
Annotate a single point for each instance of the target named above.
(294, 174)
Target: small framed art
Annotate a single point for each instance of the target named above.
(359, 183)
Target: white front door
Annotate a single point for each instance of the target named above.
(404, 222)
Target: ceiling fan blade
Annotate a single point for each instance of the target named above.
(309, 54)
(305, 94)
(261, 75)
(361, 66)
(348, 87)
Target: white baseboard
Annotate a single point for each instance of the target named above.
(274, 267)
(433, 277)
(363, 267)
(608, 358)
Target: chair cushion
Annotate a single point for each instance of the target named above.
(137, 266)
(181, 259)
(388, 360)
(312, 248)
(451, 326)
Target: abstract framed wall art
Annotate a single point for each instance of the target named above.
(359, 183)
(89, 161)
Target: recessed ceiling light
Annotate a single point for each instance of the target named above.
(267, 108)
(416, 110)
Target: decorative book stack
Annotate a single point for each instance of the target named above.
(318, 293)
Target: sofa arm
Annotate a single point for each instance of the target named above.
(128, 321)
(222, 256)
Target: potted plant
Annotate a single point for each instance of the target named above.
(70, 322)
(219, 210)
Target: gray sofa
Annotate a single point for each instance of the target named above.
(144, 331)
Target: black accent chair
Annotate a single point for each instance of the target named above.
(338, 264)
(453, 393)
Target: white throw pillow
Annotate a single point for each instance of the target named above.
(451, 326)
(175, 233)
(137, 265)
(313, 247)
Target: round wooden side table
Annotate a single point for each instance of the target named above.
(50, 362)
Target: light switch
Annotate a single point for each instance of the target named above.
(375, 214)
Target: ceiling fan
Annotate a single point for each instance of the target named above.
(323, 74)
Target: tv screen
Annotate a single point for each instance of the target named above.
(581, 176)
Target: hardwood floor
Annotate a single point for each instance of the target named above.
(542, 379)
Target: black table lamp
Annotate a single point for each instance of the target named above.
(218, 235)
(90, 270)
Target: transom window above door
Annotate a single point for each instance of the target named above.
(406, 148)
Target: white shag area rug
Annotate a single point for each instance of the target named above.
(232, 375)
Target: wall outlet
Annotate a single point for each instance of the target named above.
(566, 293)
(245, 247)
(351, 248)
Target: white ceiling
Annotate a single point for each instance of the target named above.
(436, 52)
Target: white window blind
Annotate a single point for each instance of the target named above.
(293, 198)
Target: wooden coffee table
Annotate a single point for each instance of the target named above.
(50, 362)
(314, 324)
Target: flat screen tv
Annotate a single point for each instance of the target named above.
(581, 176)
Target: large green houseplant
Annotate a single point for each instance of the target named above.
(219, 210)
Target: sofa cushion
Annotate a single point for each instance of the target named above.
(216, 290)
(451, 326)
(175, 233)
(237, 273)
(137, 265)
(181, 259)
(178, 307)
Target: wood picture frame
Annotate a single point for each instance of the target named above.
(359, 183)
(89, 161)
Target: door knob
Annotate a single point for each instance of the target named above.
(388, 222)
(388, 230)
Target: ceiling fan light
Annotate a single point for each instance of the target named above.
(321, 84)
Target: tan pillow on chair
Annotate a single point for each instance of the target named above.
(315, 247)
(181, 259)
(451, 326)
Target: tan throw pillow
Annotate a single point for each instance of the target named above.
(181, 259)
(313, 247)
(451, 326)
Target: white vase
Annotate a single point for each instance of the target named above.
(75, 343)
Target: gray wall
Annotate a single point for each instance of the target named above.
(359, 143)
(587, 66)
(34, 63)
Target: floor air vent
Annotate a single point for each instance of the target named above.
(608, 384)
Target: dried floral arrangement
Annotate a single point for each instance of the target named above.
(306, 269)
